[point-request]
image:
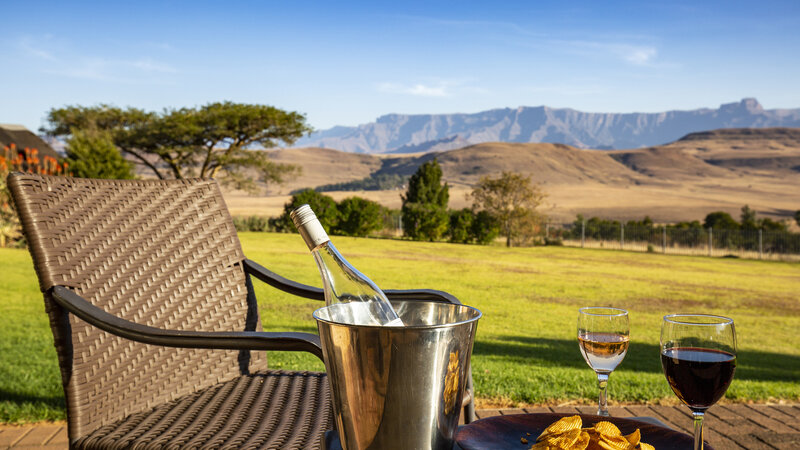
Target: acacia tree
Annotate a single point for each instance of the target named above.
(210, 141)
(512, 199)
(424, 208)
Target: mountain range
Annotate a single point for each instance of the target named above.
(402, 133)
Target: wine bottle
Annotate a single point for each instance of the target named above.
(342, 283)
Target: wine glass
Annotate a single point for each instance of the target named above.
(698, 355)
(603, 335)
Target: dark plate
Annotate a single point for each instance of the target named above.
(504, 432)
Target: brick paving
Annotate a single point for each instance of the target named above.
(735, 427)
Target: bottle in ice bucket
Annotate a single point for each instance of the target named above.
(342, 283)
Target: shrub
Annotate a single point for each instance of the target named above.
(96, 156)
(251, 223)
(324, 206)
(359, 217)
(460, 230)
(485, 228)
(554, 241)
(424, 221)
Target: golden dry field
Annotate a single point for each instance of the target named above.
(684, 180)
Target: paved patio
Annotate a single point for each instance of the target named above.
(728, 426)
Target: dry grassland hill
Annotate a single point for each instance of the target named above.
(683, 180)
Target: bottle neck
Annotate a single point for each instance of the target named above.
(313, 234)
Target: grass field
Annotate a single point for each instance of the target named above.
(526, 350)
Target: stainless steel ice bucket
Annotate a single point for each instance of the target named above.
(398, 387)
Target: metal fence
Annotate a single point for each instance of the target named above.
(755, 244)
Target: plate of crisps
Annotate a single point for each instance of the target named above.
(568, 431)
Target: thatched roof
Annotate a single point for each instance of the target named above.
(23, 137)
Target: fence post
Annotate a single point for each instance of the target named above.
(664, 240)
(621, 236)
(760, 245)
(710, 240)
(547, 230)
(583, 232)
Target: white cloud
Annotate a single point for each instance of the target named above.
(637, 54)
(59, 59)
(136, 71)
(148, 65)
(419, 89)
(32, 50)
(617, 46)
(433, 89)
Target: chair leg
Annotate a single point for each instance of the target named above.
(469, 408)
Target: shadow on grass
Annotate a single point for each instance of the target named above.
(57, 402)
(751, 365)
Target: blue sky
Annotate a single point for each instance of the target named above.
(348, 63)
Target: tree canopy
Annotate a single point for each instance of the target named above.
(720, 220)
(512, 199)
(424, 209)
(212, 141)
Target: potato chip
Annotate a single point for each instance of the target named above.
(607, 429)
(582, 442)
(614, 443)
(561, 426)
(564, 440)
(566, 433)
(634, 437)
(540, 446)
(592, 445)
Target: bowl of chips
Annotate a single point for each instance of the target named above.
(549, 431)
(569, 433)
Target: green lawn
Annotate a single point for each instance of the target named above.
(526, 351)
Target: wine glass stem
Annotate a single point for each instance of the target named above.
(602, 382)
(698, 429)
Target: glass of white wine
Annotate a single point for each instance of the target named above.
(603, 335)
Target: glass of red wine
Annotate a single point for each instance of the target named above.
(698, 355)
(603, 335)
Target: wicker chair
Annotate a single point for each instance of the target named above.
(155, 321)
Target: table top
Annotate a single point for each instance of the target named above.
(505, 431)
(500, 432)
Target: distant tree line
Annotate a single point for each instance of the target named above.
(720, 221)
(503, 206)
(723, 230)
(379, 182)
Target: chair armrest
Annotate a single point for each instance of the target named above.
(226, 340)
(273, 279)
(315, 293)
(423, 295)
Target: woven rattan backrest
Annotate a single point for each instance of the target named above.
(163, 253)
